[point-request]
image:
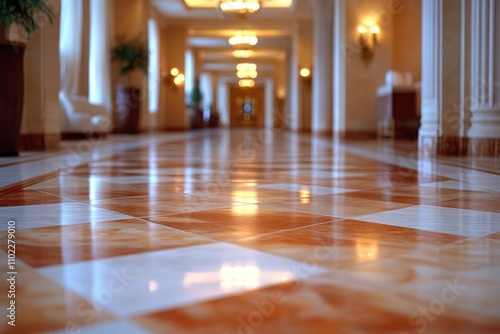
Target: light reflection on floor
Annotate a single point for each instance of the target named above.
(253, 232)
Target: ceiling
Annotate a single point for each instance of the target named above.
(209, 30)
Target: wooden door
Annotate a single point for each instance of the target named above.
(247, 106)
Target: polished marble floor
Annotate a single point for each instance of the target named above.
(249, 231)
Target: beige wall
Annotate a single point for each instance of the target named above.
(407, 43)
(172, 100)
(130, 17)
(41, 79)
(131, 21)
(399, 48)
(306, 48)
(83, 85)
(280, 77)
(362, 77)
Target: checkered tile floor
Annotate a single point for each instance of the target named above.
(250, 232)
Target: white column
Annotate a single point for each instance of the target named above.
(70, 46)
(485, 69)
(339, 67)
(323, 66)
(432, 17)
(99, 55)
(293, 80)
(444, 75)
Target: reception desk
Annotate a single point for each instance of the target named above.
(397, 116)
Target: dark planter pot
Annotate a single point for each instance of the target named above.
(213, 121)
(197, 118)
(11, 96)
(128, 109)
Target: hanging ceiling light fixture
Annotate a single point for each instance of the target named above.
(246, 71)
(243, 53)
(246, 83)
(246, 66)
(243, 38)
(240, 8)
(246, 74)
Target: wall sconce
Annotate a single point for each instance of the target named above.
(368, 40)
(174, 77)
(305, 73)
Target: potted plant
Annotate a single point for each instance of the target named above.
(213, 121)
(131, 57)
(195, 106)
(18, 20)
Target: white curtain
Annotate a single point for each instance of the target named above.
(189, 73)
(99, 53)
(154, 66)
(70, 48)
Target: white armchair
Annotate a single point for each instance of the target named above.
(80, 117)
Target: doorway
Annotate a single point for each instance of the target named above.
(247, 106)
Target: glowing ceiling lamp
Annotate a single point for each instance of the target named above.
(243, 53)
(240, 8)
(243, 38)
(246, 74)
(246, 66)
(246, 71)
(246, 83)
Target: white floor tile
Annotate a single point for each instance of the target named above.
(304, 166)
(154, 281)
(116, 164)
(132, 179)
(454, 185)
(62, 181)
(439, 219)
(171, 171)
(325, 175)
(308, 189)
(118, 327)
(43, 215)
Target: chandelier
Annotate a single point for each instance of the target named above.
(243, 38)
(243, 53)
(239, 8)
(246, 83)
(246, 71)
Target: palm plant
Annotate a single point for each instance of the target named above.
(130, 55)
(30, 15)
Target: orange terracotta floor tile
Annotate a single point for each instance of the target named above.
(55, 245)
(239, 221)
(346, 242)
(45, 306)
(28, 197)
(247, 231)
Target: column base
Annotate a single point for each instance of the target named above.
(459, 146)
(486, 147)
(39, 142)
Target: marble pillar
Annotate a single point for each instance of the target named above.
(460, 78)
(339, 67)
(484, 132)
(322, 80)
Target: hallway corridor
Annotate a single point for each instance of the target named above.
(249, 231)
